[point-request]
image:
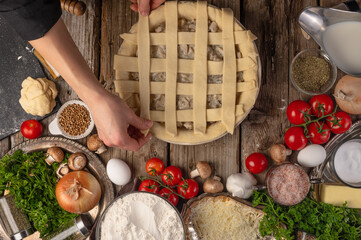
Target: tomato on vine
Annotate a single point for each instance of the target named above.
(339, 122)
(188, 188)
(295, 138)
(149, 185)
(321, 105)
(171, 176)
(318, 132)
(169, 195)
(154, 166)
(298, 111)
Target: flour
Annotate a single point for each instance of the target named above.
(141, 216)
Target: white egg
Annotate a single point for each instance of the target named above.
(312, 155)
(118, 171)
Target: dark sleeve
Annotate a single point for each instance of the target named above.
(32, 19)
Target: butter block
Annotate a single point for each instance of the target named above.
(338, 194)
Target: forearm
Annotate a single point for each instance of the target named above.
(59, 49)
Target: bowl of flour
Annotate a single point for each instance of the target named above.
(140, 216)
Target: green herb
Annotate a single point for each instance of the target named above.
(33, 183)
(311, 73)
(322, 220)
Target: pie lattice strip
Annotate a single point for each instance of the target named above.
(213, 115)
(171, 21)
(144, 66)
(131, 86)
(130, 64)
(229, 72)
(214, 38)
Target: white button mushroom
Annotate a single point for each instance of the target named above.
(118, 171)
(77, 161)
(94, 143)
(55, 154)
(241, 184)
(202, 169)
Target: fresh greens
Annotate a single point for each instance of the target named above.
(322, 220)
(33, 183)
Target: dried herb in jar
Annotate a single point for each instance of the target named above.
(311, 73)
(74, 119)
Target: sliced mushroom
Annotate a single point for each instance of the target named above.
(213, 185)
(94, 143)
(55, 154)
(77, 161)
(62, 170)
(202, 169)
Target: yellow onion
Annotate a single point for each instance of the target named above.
(78, 192)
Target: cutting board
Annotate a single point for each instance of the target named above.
(17, 62)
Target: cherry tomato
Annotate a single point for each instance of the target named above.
(154, 166)
(340, 122)
(171, 176)
(296, 110)
(321, 105)
(319, 133)
(256, 163)
(188, 188)
(171, 197)
(149, 185)
(295, 138)
(31, 129)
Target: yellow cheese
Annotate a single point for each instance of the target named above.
(338, 194)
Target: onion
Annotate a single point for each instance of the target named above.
(78, 192)
(348, 94)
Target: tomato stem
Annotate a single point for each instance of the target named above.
(161, 184)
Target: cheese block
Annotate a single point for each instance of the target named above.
(338, 195)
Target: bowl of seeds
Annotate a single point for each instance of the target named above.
(73, 120)
(312, 72)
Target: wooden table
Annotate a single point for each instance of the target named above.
(96, 33)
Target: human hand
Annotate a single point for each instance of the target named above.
(117, 125)
(145, 6)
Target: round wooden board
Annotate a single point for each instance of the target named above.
(95, 166)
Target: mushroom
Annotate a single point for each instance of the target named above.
(55, 154)
(202, 169)
(77, 161)
(62, 170)
(279, 153)
(213, 185)
(94, 143)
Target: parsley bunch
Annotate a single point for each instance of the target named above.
(322, 220)
(33, 182)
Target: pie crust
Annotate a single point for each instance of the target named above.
(239, 55)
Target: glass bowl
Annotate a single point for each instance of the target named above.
(332, 163)
(316, 53)
(101, 219)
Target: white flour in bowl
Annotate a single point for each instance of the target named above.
(141, 216)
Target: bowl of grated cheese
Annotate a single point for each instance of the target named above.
(140, 216)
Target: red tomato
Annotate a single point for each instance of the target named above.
(295, 138)
(188, 188)
(171, 197)
(171, 176)
(31, 129)
(154, 166)
(149, 185)
(340, 122)
(321, 105)
(256, 163)
(296, 110)
(319, 133)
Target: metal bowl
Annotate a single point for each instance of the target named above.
(101, 219)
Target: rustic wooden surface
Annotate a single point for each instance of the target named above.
(96, 33)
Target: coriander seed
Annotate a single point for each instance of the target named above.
(74, 119)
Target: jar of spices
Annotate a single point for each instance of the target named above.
(14, 221)
(312, 72)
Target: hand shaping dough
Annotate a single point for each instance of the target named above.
(38, 96)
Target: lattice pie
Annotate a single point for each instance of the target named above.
(191, 69)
